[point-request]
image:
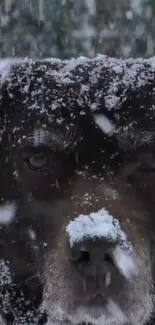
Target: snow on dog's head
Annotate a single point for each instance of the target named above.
(69, 112)
(5, 68)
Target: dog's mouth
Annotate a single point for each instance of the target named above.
(96, 300)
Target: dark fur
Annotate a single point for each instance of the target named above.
(77, 90)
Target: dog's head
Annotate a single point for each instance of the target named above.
(97, 233)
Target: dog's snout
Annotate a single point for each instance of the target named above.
(92, 255)
(99, 245)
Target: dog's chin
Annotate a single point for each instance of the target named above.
(110, 314)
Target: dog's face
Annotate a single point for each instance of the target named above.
(96, 264)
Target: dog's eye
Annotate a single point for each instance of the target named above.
(38, 160)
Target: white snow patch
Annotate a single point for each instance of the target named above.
(104, 124)
(98, 224)
(5, 67)
(7, 213)
(4, 75)
(5, 273)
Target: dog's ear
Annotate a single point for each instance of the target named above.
(9, 90)
(10, 94)
(6, 68)
(5, 73)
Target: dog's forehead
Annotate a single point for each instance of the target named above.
(80, 76)
(34, 104)
(44, 90)
(60, 92)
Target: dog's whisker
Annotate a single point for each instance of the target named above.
(29, 279)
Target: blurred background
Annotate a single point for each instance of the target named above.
(69, 28)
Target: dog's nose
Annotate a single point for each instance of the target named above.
(99, 245)
(93, 256)
(98, 258)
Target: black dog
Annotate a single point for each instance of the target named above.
(78, 137)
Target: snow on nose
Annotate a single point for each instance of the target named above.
(101, 225)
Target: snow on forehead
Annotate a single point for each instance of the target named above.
(5, 273)
(130, 67)
(126, 73)
(5, 67)
(116, 75)
(123, 74)
(97, 225)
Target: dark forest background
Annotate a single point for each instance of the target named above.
(69, 28)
